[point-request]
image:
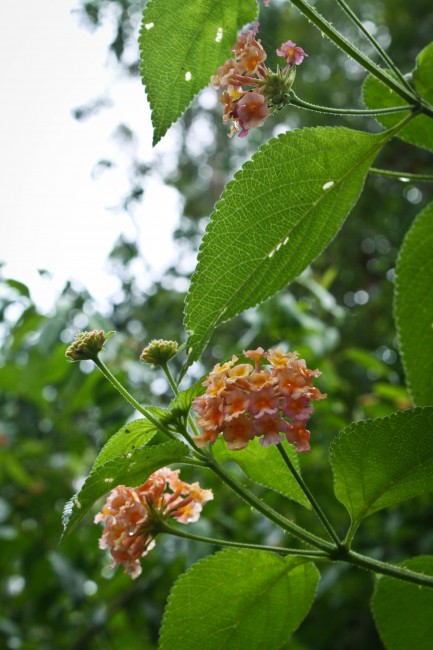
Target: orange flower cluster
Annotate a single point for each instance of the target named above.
(245, 107)
(268, 399)
(131, 515)
(250, 90)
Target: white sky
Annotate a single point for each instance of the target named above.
(52, 214)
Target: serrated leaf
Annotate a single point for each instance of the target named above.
(413, 307)
(281, 210)
(132, 436)
(403, 611)
(237, 600)
(382, 462)
(377, 95)
(20, 287)
(423, 73)
(265, 466)
(181, 404)
(181, 45)
(132, 470)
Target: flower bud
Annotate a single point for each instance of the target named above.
(159, 352)
(87, 345)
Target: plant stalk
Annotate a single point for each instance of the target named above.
(387, 59)
(311, 498)
(338, 39)
(269, 513)
(297, 101)
(402, 176)
(314, 555)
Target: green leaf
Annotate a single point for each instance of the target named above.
(423, 73)
(21, 288)
(131, 469)
(238, 599)
(277, 215)
(379, 463)
(130, 437)
(377, 95)
(265, 466)
(413, 307)
(403, 611)
(181, 45)
(181, 404)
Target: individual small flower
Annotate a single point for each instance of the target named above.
(269, 400)
(251, 57)
(131, 515)
(159, 352)
(224, 74)
(245, 39)
(293, 54)
(252, 111)
(87, 345)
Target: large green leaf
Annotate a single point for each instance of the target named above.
(377, 95)
(379, 463)
(237, 600)
(280, 211)
(131, 469)
(132, 436)
(413, 307)
(403, 611)
(265, 465)
(181, 46)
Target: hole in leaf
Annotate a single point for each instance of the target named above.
(219, 35)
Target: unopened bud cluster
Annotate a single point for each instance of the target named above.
(131, 515)
(270, 399)
(87, 345)
(159, 352)
(251, 91)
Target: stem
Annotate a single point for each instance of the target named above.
(297, 101)
(191, 422)
(334, 35)
(268, 512)
(306, 490)
(351, 534)
(345, 7)
(389, 569)
(402, 175)
(129, 398)
(165, 528)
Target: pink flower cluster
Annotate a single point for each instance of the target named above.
(268, 399)
(249, 87)
(131, 515)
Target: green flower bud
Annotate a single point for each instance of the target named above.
(159, 352)
(87, 345)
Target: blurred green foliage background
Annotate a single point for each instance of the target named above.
(55, 417)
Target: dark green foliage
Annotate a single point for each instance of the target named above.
(55, 418)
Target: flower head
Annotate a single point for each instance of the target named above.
(270, 399)
(87, 345)
(159, 351)
(293, 54)
(250, 90)
(131, 515)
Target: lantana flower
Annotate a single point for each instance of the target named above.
(131, 515)
(293, 54)
(250, 90)
(269, 400)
